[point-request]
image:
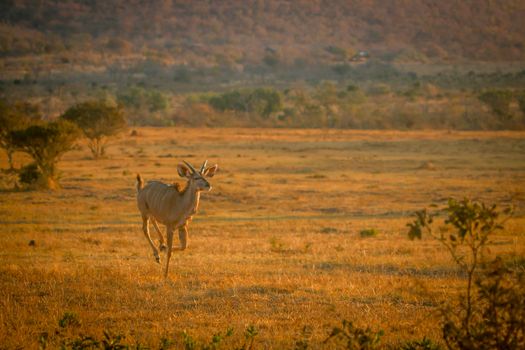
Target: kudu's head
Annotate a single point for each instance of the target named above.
(197, 178)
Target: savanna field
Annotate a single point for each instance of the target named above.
(302, 229)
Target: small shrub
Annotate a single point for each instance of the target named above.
(214, 343)
(249, 337)
(354, 338)
(277, 246)
(304, 342)
(113, 342)
(69, 319)
(82, 342)
(371, 232)
(217, 339)
(423, 344)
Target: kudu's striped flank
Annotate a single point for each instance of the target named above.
(169, 205)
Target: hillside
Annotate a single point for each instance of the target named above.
(338, 63)
(208, 33)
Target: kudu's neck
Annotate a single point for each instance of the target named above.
(191, 196)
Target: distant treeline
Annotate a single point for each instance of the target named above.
(377, 106)
(373, 105)
(368, 95)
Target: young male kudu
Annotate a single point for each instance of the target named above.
(172, 206)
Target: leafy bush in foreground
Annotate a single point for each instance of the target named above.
(491, 312)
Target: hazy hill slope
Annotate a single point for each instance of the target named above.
(242, 31)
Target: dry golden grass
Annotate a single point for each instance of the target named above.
(276, 242)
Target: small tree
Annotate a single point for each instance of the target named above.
(98, 121)
(45, 143)
(13, 117)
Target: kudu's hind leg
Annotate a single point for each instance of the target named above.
(145, 228)
(162, 246)
(183, 237)
(169, 233)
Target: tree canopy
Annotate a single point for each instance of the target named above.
(15, 116)
(98, 121)
(45, 143)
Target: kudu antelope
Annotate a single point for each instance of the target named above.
(172, 206)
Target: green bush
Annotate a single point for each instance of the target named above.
(138, 98)
(491, 312)
(262, 101)
(497, 312)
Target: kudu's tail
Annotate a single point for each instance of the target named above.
(140, 182)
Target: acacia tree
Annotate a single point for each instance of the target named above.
(13, 117)
(98, 121)
(45, 143)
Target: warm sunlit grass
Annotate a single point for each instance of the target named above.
(276, 243)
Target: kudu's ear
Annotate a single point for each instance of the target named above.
(210, 171)
(183, 170)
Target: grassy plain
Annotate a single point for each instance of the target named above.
(276, 243)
